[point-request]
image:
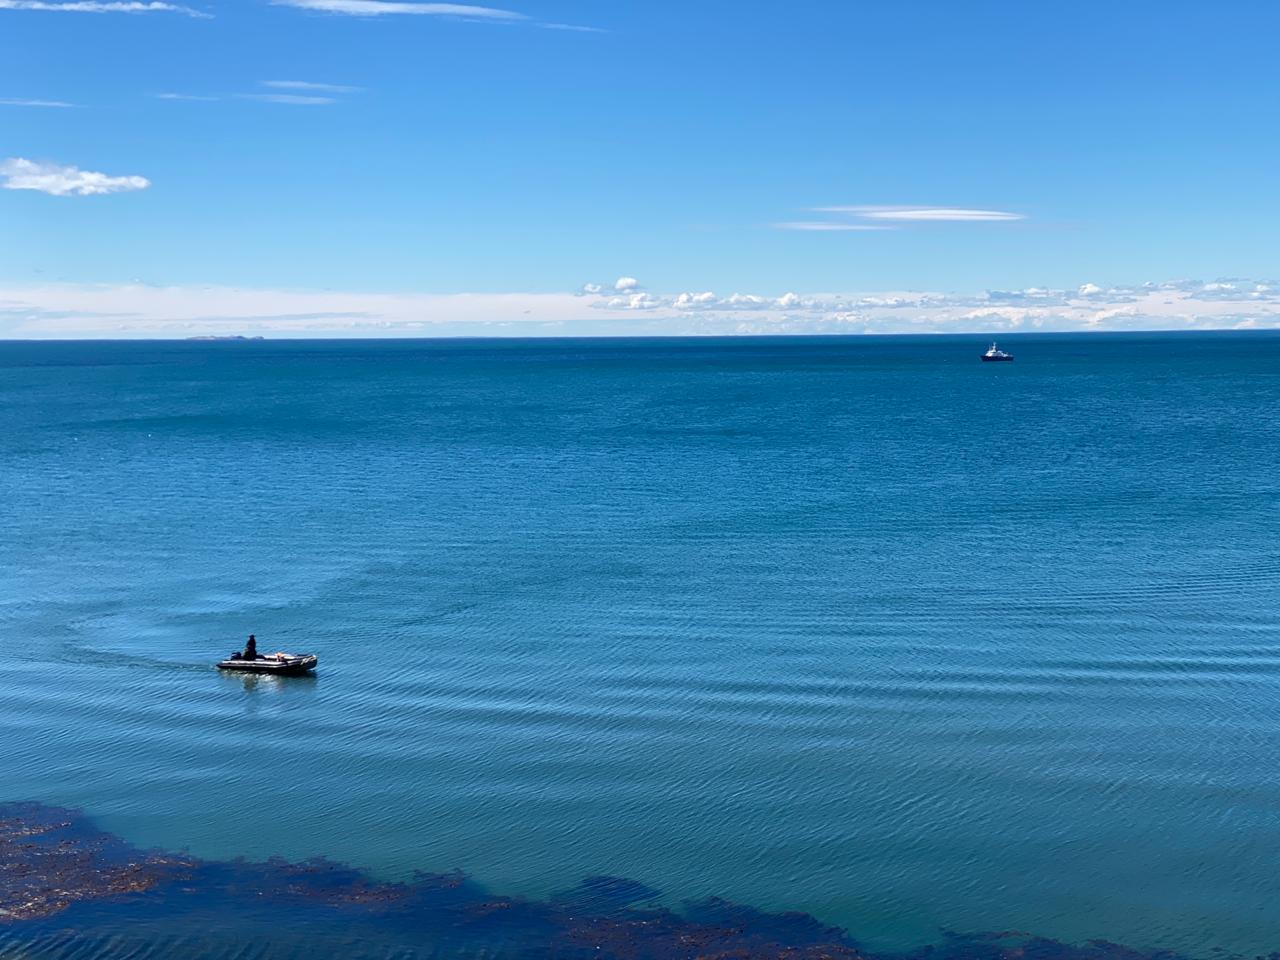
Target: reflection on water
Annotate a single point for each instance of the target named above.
(69, 890)
(266, 683)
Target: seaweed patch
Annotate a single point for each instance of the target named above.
(51, 858)
(77, 889)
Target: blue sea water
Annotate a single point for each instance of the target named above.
(860, 627)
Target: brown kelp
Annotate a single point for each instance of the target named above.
(68, 888)
(51, 858)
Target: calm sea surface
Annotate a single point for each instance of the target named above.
(855, 626)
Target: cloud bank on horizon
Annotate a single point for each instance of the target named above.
(624, 308)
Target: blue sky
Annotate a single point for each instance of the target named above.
(492, 152)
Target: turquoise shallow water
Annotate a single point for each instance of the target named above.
(860, 627)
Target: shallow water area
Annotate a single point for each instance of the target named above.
(860, 627)
(70, 890)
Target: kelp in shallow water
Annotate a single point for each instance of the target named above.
(76, 889)
(51, 858)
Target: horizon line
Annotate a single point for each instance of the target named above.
(921, 334)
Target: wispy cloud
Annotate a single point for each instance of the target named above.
(825, 226)
(930, 214)
(308, 85)
(458, 11)
(103, 6)
(312, 97)
(868, 217)
(379, 8)
(573, 27)
(18, 173)
(298, 100)
(37, 103)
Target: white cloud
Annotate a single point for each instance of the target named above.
(377, 8)
(308, 85)
(1235, 289)
(999, 318)
(102, 6)
(626, 283)
(21, 174)
(825, 226)
(291, 98)
(929, 214)
(183, 96)
(685, 301)
(35, 103)
(1179, 305)
(1103, 318)
(636, 301)
(1032, 296)
(1089, 290)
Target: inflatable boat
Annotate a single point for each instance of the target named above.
(272, 663)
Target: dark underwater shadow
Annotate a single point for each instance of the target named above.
(69, 890)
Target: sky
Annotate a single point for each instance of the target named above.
(395, 167)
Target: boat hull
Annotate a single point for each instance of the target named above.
(997, 359)
(285, 666)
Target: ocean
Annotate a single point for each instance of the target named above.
(857, 627)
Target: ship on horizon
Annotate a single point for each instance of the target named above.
(995, 354)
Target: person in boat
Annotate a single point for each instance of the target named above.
(250, 649)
